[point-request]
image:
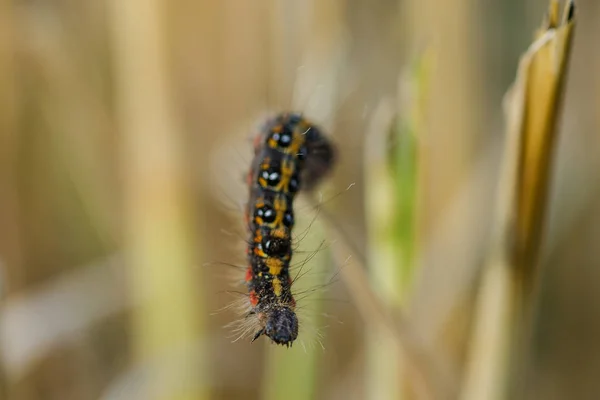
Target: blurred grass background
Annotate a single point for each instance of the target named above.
(115, 188)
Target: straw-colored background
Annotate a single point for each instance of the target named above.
(124, 129)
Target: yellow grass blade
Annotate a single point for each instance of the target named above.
(504, 311)
(540, 87)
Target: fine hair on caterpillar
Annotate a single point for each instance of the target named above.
(291, 154)
(252, 322)
(305, 294)
(250, 325)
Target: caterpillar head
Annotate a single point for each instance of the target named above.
(281, 326)
(320, 158)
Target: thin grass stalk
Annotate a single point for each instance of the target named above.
(158, 234)
(405, 148)
(429, 378)
(498, 355)
(9, 235)
(82, 157)
(448, 139)
(383, 256)
(448, 30)
(391, 209)
(404, 157)
(9, 140)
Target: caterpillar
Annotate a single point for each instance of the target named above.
(290, 153)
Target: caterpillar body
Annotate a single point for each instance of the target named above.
(290, 153)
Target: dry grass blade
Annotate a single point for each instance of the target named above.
(430, 379)
(158, 236)
(534, 105)
(8, 145)
(509, 283)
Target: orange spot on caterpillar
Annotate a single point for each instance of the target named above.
(279, 233)
(249, 274)
(253, 298)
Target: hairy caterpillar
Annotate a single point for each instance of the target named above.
(290, 153)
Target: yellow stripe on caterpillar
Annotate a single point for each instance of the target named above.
(277, 288)
(275, 266)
